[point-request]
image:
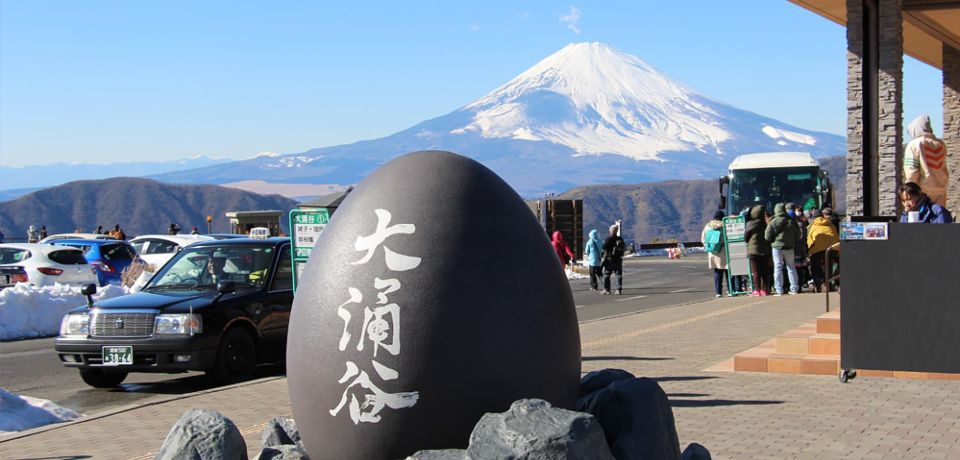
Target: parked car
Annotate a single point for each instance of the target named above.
(156, 250)
(225, 236)
(108, 257)
(45, 265)
(10, 275)
(217, 306)
(76, 236)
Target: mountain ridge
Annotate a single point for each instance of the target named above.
(140, 206)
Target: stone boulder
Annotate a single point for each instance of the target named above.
(281, 431)
(533, 429)
(634, 412)
(203, 434)
(283, 452)
(696, 451)
(445, 454)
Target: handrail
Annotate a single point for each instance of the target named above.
(826, 272)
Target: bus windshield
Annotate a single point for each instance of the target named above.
(769, 186)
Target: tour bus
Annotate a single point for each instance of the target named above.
(771, 178)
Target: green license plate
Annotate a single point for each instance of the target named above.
(117, 356)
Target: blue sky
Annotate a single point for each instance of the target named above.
(109, 81)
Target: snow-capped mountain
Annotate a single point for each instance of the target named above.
(588, 114)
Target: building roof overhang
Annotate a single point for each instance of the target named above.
(927, 25)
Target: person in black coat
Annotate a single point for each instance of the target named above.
(758, 249)
(613, 249)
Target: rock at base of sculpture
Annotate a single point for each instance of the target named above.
(283, 452)
(280, 431)
(531, 429)
(695, 451)
(203, 434)
(634, 412)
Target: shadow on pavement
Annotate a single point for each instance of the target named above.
(621, 358)
(67, 457)
(684, 378)
(720, 402)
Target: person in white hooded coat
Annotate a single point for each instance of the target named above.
(716, 261)
(925, 160)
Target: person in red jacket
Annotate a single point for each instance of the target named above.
(562, 248)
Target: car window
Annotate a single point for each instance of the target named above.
(13, 255)
(283, 278)
(138, 245)
(161, 247)
(115, 252)
(203, 268)
(67, 257)
(83, 247)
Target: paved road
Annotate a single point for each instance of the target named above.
(648, 283)
(31, 368)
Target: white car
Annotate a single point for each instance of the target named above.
(156, 250)
(47, 265)
(77, 236)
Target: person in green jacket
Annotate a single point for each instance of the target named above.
(782, 235)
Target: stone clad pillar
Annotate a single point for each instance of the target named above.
(890, 106)
(874, 106)
(951, 123)
(855, 109)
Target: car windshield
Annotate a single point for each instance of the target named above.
(202, 268)
(770, 186)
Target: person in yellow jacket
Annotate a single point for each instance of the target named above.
(821, 234)
(925, 160)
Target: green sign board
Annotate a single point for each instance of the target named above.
(738, 261)
(305, 228)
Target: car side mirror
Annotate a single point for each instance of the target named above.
(89, 290)
(226, 287)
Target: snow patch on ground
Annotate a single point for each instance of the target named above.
(18, 413)
(572, 275)
(28, 311)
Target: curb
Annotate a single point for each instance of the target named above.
(130, 407)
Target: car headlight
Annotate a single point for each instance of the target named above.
(73, 325)
(178, 323)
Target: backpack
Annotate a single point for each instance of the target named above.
(713, 242)
(619, 248)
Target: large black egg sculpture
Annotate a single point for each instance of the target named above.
(432, 297)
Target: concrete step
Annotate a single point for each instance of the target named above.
(754, 359)
(829, 323)
(795, 340)
(824, 344)
(820, 365)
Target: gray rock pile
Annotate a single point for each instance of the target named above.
(618, 416)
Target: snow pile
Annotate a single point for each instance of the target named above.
(596, 99)
(572, 275)
(28, 311)
(18, 413)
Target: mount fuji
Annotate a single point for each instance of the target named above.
(587, 114)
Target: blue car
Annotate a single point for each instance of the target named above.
(109, 258)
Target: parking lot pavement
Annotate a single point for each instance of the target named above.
(735, 415)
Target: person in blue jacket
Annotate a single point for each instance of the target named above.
(914, 199)
(594, 251)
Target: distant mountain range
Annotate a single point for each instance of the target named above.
(140, 206)
(588, 114)
(17, 181)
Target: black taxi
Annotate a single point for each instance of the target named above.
(219, 306)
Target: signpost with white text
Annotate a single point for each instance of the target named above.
(305, 228)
